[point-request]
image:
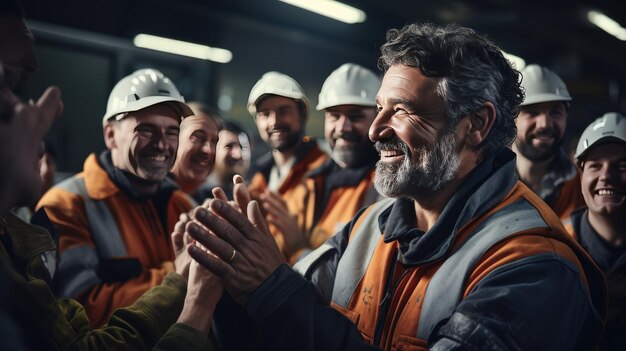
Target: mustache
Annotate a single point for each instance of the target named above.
(548, 132)
(391, 144)
(278, 128)
(346, 136)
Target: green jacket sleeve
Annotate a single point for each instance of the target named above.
(183, 337)
(136, 327)
(48, 323)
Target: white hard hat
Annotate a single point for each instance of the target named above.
(275, 83)
(542, 85)
(611, 127)
(350, 84)
(144, 88)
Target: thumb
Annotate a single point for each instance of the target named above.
(241, 194)
(256, 217)
(50, 106)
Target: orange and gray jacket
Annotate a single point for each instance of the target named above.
(496, 270)
(113, 245)
(308, 157)
(328, 199)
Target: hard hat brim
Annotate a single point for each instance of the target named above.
(604, 140)
(147, 102)
(539, 98)
(346, 101)
(290, 95)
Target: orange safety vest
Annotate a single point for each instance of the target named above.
(319, 218)
(98, 223)
(518, 227)
(570, 197)
(310, 160)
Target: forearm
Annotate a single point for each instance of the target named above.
(102, 299)
(138, 326)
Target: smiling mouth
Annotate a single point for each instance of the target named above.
(204, 163)
(610, 196)
(608, 192)
(158, 158)
(391, 153)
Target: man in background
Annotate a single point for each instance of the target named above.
(280, 110)
(197, 147)
(541, 163)
(601, 226)
(233, 156)
(333, 193)
(114, 218)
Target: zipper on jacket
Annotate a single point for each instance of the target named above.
(385, 303)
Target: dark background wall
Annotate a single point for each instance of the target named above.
(86, 46)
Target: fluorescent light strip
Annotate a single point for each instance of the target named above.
(518, 62)
(329, 8)
(607, 24)
(183, 48)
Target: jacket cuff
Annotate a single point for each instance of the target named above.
(276, 290)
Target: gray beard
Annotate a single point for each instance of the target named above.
(420, 179)
(354, 156)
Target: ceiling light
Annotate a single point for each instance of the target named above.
(518, 62)
(330, 8)
(607, 24)
(183, 48)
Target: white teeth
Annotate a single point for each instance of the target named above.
(158, 158)
(390, 153)
(605, 192)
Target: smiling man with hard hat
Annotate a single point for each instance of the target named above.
(541, 163)
(114, 218)
(601, 226)
(333, 193)
(280, 110)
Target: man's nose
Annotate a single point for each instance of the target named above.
(543, 121)
(344, 124)
(380, 128)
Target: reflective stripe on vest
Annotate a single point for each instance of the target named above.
(104, 231)
(354, 261)
(445, 290)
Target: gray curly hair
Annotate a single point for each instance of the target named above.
(472, 70)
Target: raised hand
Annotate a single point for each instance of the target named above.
(204, 290)
(277, 214)
(242, 254)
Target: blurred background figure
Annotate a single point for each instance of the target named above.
(233, 156)
(333, 193)
(280, 110)
(541, 163)
(17, 52)
(197, 144)
(601, 226)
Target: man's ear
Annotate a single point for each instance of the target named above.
(109, 135)
(480, 123)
